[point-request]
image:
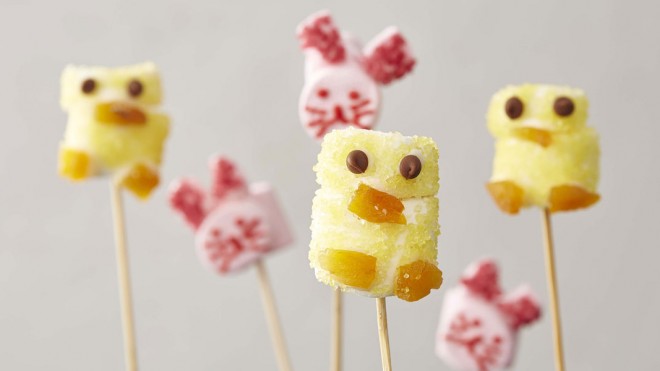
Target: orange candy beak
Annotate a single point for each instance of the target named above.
(375, 206)
(538, 136)
(121, 114)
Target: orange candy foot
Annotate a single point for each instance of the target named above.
(73, 164)
(415, 280)
(350, 268)
(567, 197)
(507, 195)
(141, 180)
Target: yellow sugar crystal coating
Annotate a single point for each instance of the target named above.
(542, 149)
(114, 121)
(110, 81)
(116, 147)
(392, 244)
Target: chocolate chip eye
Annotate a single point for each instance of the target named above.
(514, 108)
(564, 106)
(410, 167)
(135, 88)
(357, 162)
(88, 86)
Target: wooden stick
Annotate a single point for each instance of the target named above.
(273, 319)
(337, 320)
(552, 286)
(383, 336)
(123, 275)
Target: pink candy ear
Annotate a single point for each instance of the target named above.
(482, 278)
(187, 198)
(319, 32)
(521, 307)
(388, 57)
(226, 177)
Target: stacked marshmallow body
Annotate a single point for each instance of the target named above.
(374, 229)
(114, 125)
(479, 325)
(545, 154)
(342, 79)
(235, 224)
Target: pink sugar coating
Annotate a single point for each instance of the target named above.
(390, 59)
(226, 177)
(484, 281)
(188, 198)
(319, 32)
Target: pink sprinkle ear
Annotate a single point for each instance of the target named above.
(482, 278)
(226, 177)
(521, 307)
(318, 31)
(388, 56)
(187, 198)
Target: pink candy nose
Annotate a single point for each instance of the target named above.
(339, 114)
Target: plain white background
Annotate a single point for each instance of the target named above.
(232, 73)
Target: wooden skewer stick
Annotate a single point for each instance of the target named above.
(274, 325)
(383, 336)
(337, 321)
(123, 275)
(552, 286)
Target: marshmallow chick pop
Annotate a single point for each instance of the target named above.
(114, 125)
(479, 324)
(342, 89)
(116, 129)
(342, 79)
(236, 226)
(545, 156)
(375, 218)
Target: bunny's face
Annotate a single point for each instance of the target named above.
(339, 97)
(473, 334)
(342, 79)
(479, 323)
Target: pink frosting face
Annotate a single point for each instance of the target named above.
(233, 236)
(337, 98)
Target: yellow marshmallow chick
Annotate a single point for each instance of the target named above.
(545, 154)
(114, 125)
(375, 216)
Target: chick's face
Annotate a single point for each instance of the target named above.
(353, 161)
(536, 112)
(116, 96)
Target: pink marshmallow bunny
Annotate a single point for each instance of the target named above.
(342, 80)
(479, 325)
(235, 225)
